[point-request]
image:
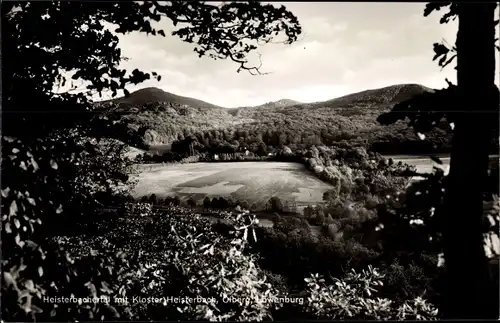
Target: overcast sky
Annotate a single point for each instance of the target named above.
(345, 48)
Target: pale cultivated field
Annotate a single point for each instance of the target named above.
(255, 182)
(423, 164)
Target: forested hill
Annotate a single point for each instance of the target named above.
(377, 100)
(158, 117)
(283, 103)
(155, 117)
(154, 95)
(386, 95)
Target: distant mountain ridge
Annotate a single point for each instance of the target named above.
(389, 94)
(155, 95)
(280, 103)
(160, 117)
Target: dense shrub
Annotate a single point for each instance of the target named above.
(353, 297)
(274, 204)
(206, 202)
(51, 185)
(153, 199)
(191, 202)
(290, 246)
(189, 261)
(176, 253)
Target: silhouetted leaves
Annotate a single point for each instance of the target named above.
(454, 105)
(437, 6)
(441, 51)
(426, 110)
(56, 166)
(434, 6)
(235, 29)
(41, 39)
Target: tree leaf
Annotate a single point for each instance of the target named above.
(53, 164)
(5, 192)
(35, 309)
(9, 280)
(17, 239)
(7, 227)
(29, 285)
(13, 208)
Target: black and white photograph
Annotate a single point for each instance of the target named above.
(249, 161)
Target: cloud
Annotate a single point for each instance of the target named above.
(345, 47)
(321, 29)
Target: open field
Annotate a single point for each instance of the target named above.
(254, 182)
(425, 164)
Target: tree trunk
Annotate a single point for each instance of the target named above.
(465, 259)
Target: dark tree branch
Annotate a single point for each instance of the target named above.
(39, 29)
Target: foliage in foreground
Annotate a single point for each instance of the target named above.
(354, 297)
(154, 256)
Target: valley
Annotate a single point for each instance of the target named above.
(144, 178)
(253, 182)
(154, 117)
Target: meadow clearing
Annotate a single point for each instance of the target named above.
(254, 182)
(423, 164)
